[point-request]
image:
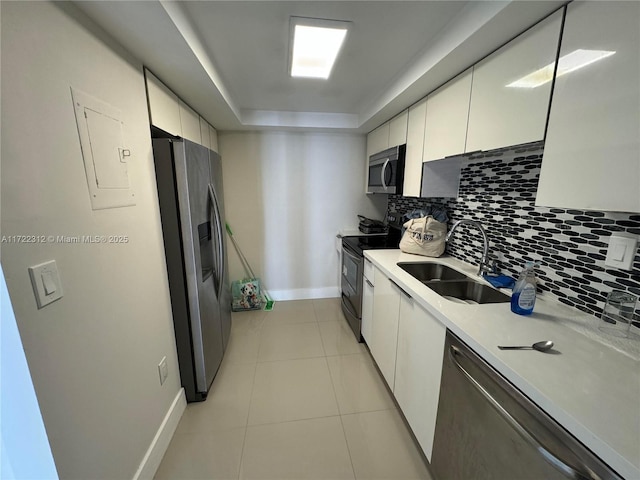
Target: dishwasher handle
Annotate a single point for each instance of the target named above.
(564, 467)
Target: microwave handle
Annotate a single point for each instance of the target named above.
(382, 173)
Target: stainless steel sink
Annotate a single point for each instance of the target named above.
(428, 272)
(468, 291)
(453, 285)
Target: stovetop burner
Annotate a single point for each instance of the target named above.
(361, 243)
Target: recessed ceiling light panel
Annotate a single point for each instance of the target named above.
(315, 45)
(568, 63)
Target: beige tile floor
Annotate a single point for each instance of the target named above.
(296, 397)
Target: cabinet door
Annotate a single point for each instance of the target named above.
(190, 123)
(164, 110)
(591, 157)
(213, 138)
(384, 335)
(505, 108)
(418, 368)
(398, 129)
(204, 133)
(366, 328)
(378, 140)
(413, 155)
(441, 178)
(447, 116)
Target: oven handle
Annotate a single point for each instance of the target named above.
(358, 259)
(382, 173)
(565, 468)
(348, 306)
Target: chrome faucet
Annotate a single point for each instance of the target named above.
(487, 263)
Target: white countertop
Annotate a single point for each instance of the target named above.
(588, 386)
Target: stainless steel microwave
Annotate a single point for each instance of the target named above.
(386, 171)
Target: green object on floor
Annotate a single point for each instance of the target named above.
(268, 301)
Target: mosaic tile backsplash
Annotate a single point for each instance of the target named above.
(498, 189)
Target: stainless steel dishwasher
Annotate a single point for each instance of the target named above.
(487, 429)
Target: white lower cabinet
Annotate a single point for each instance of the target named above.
(420, 348)
(384, 331)
(407, 344)
(366, 328)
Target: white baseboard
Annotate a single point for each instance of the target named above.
(151, 461)
(304, 293)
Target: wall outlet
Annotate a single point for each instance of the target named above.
(621, 251)
(163, 370)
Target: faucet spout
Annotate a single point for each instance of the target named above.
(486, 265)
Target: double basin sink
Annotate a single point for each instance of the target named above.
(453, 285)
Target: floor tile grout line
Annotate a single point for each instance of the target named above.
(305, 419)
(346, 441)
(344, 433)
(288, 359)
(246, 422)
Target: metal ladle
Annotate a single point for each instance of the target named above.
(543, 346)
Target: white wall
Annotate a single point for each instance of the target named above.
(93, 354)
(287, 194)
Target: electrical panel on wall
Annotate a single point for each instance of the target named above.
(105, 155)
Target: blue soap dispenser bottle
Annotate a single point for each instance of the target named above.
(524, 291)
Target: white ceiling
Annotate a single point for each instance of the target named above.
(228, 59)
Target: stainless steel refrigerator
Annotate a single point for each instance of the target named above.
(189, 179)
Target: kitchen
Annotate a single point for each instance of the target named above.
(93, 355)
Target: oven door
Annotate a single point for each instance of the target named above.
(351, 283)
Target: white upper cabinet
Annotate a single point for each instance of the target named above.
(204, 133)
(190, 122)
(447, 116)
(387, 135)
(506, 108)
(213, 138)
(413, 155)
(398, 130)
(591, 157)
(378, 140)
(164, 108)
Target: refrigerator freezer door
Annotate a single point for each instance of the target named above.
(225, 290)
(192, 175)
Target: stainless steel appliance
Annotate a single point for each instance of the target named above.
(189, 179)
(487, 429)
(386, 171)
(352, 270)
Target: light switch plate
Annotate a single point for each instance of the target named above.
(621, 251)
(163, 370)
(46, 283)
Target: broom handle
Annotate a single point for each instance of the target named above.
(243, 259)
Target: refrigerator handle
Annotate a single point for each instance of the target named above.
(219, 231)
